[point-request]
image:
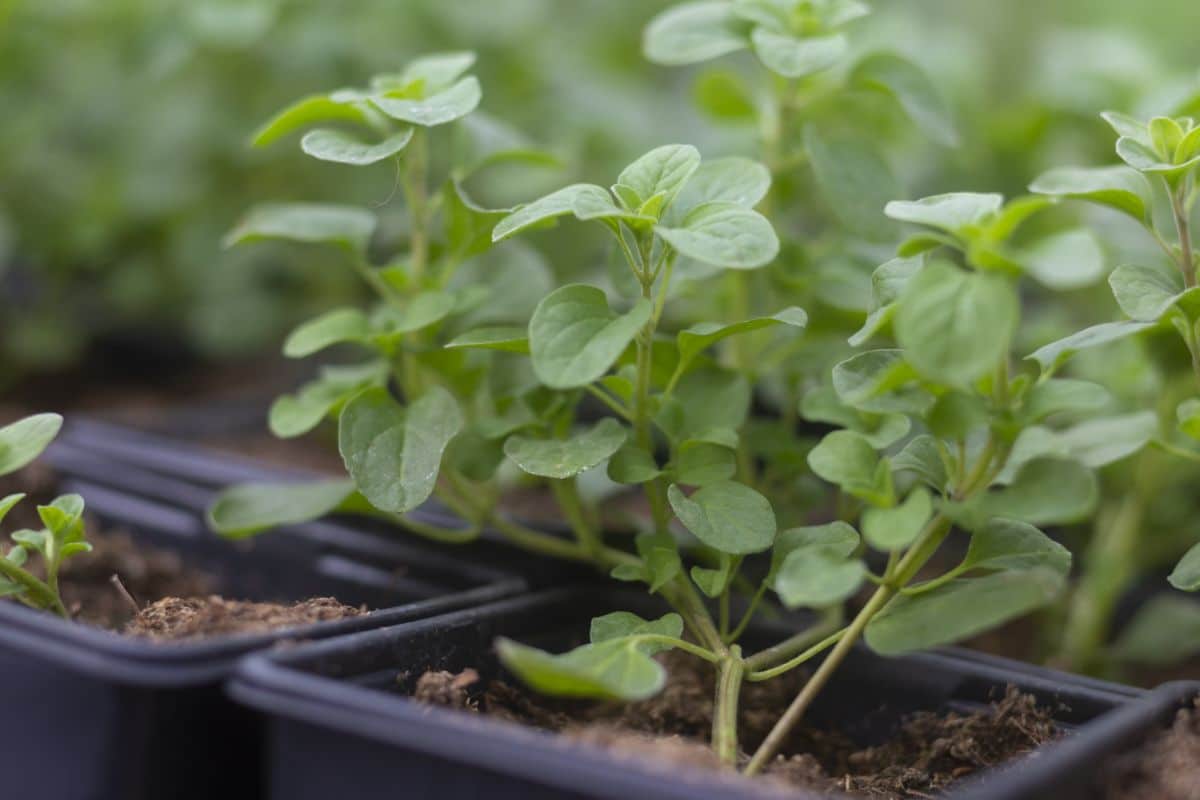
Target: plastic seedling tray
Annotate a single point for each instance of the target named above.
(341, 725)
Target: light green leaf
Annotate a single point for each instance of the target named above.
(1070, 260)
(794, 57)
(24, 440)
(444, 106)
(8, 503)
(912, 89)
(723, 180)
(1186, 575)
(839, 537)
(574, 337)
(728, 517)
(713, 582)
(956, 415)
(1146, 293)
(334, 327)
(897, 528)
(565, 458)
(1045, 491)
(328, 144)
(303, 113)
(855, 181)
(818, 576)
(632, 465)
(953, 213)
(510, 338)
(1007, 544)
(724, 96)
(664, 170)
(393, 453)
(296, 414)
(959, 609)
(724, 235)
(439, 69)
(692, 32)
(1052, 356)
(879, 381)
(1059, 395)
(343, 226)
(553, 205)
(955, 326)
(1188, 414)
(1118, 187)
(250, 508)
(1164, 632)
(881, 430)
(847, 459)
(423, 310)
(700, 463)
(617, 666)
(698, 338)
(925, 457)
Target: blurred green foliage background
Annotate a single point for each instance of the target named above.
(123, 138)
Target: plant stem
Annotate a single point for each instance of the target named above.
(567, 493)
(748, 614)
(1187, 263)
(791, 664)
(725, 707)
(40, 595)
(831, 620)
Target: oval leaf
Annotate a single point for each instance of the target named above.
(574, 337)
(726, 516)
(565, 458)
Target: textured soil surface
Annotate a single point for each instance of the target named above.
(174, 618)
(1165, 767)
(928, 752)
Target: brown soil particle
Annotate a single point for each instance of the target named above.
(174, 618)
(928, 751)
(1165, 767)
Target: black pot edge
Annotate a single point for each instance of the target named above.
(265, 683)
(129, 660)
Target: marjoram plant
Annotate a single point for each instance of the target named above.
(63, 535)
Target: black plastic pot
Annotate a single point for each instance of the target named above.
(89, 714)
(1071, 771)
(340, 724)
(189, 475)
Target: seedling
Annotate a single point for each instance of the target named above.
(1156, 183)
(63, 534)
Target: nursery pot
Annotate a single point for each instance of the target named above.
(93, 715)
(186, 474)
(341, 725)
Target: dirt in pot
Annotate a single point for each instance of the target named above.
(140, 590)
(1165, 767)
(927, 752)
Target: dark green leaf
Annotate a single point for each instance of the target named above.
(574, 337)
(728, 517)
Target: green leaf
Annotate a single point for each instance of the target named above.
(553, 205)
(250, 508)
(724, 235)
(794, 57)
(444, 106)
(700, 463)
(818, 576)
(334, 327)
(912, 89)
(1008, 544)
(713, 582)
(1070, 260)
(880, 381)
(616, 666)
(839, 537)
(393, 453)
(847, 459)
(1164, 632)
(959, 609)
(897, 528)
(925, 457)
(566, 458)
(439, 69)
(423, 310)
(724, 96)
(1146, 293)
(8, 503)
(510, 338)
(855, 181)
(1059, 395)
(343, 226)
(728, 517)
(1188, 414)
(1186, 575)
(327, 144)
(574, 336)
(664, 170)
(955, 326)
(309, 111)
(24, 440)
(953, 213)
(881, 430)
(723, 180)
(698, 338)
(296, 414)
(632, 465)
(1118, 187)
(1052, 356)
(692, 32)
(955, 415)
(1045, 491)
